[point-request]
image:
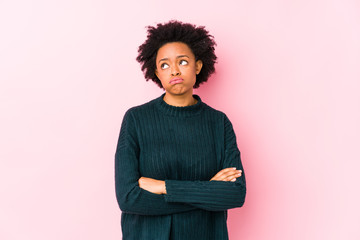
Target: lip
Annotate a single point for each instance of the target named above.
(176, 81)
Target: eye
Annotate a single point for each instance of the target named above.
(183, 62)
(164, 66)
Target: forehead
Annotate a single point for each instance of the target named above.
(174, 49)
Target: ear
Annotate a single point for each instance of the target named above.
(198, 66)
(156, 72)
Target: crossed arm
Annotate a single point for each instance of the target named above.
(146, 196)
(159, 187)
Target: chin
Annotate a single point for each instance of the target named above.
(176, 90)
(179, 92)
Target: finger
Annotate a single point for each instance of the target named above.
(232, 176)
(230, 173)
(219, 175)
(225, 172)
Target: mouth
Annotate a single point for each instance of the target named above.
(176, 81)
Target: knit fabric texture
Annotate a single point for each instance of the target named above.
(185, 147)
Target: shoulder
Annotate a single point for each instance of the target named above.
(216, 113)
(132, 116)
(217, 116)
(141, 109)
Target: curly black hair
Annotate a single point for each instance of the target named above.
(198, 40)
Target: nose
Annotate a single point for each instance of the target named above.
(175, 71)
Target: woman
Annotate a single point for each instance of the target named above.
(177, 164)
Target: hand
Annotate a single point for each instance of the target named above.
(152, 185)
(227, 175)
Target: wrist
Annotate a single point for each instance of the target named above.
(163, 187)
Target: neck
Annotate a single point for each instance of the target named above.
(180, 100)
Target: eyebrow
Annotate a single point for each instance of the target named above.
(180, 56)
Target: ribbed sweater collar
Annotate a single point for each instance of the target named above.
(175, 111)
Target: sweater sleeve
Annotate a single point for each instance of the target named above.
(213, 195)
(130, 197)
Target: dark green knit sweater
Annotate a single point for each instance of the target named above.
(186, 147)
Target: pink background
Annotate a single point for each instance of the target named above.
(287, 76)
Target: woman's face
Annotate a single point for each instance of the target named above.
(177, 68)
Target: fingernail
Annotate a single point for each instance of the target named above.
(233, 180)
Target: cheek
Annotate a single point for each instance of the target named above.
(160, 75)
(192, 72)
(162, 78)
